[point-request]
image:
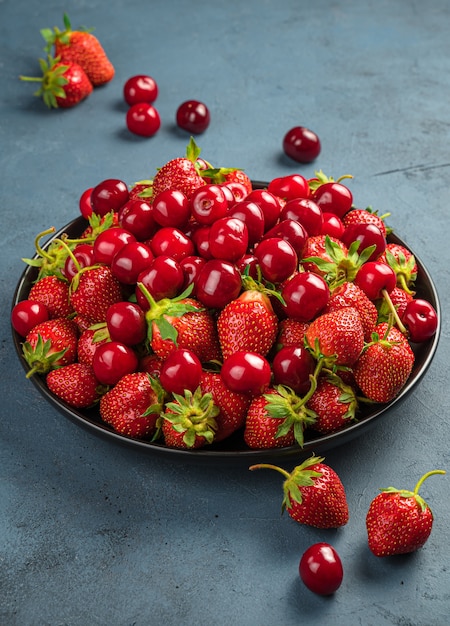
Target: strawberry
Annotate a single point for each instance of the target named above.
(277, 419)
(385, 364)
(334, 403)
(313, 494)
(366, 216)
(247, 323)
(336, 337)
(62, 84)
(99, 223)
(87, 345)
(232, 406)
(349, 294)
(132, 407)
(50, 344)
(81, 47)
(227, 175)
(189, 421)
(93, 290)
(291, 333)
(399, 298)
(399, 521)
(75, 384)
(181, 174)
(54, 293)
(403, 262)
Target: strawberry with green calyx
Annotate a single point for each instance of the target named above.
(398, 298)
(403, 262)
(349, 294)
(220, 175)
(313, 494)
(290, 333)
(367, 216)
(385, 364)
(189, 421)
(93, 290)
(99, 223)
(180, 322)
(181, 174)
(133, 406)
(399, 521)
(334, 402)
(75, 384)
(62, 84)
(49, 345)
(81, 47)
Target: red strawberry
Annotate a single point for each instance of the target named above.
(399, 521)
(99, 223)
(366, 216)
(247, 323)
(313, 494)
(189, 421)
(93, 290)
(334, 403)
(54, 293)
(276, 419)
(82, 47)
(399, 298)
(75, 384)
(228, 175)
(337, 337)
(233, 406)
(385, 364)
(291, 333)
(132, 407)
(349, 294)
(62, 84)
(87, 345)
(180, 174)
(403, 262)
(50, 344)
(316, 248)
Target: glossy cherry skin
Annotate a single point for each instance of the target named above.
(246, 372)
(332, 225)
(420, 319)
(193, 116)
(130, 261)
(126, 323)
(228, 239)
(27, 314)
(109, 242)
(306, 212)
(143, 119)
(208, 204)
(321, 569)
(112, 360)
(292, 367)
(292, 231)
(289, 187)
(84, 255)
(305, 295)
(269, 204)
(191, 266)
(136, 216)
(171, 241)
(171, 208)
(164, 278)
(84, 203)
(140, 88)
(109, 195)
(301, 144)
(374, 277)
(277, 259)
(218, 283)
(253, 217)
(200, 237)
(181, 370)
(367, 235)
(334, 198)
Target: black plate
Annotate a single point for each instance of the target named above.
(233, 449)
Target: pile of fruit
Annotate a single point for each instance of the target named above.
(194, 307)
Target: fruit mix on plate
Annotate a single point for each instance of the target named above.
(194, 306)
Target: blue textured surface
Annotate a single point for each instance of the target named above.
(92, 533)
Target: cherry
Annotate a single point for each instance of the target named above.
(84, 255)
(305, 295)
(246, 372)
(292, 231)
(289, 187)
(109, 242)
(420, 319)
(171, 241)
(301, 144)
(27, 314)
(253, 217)
(270, 206)
(136, 216)
(332, 225)
(218, 283)
(171, 208)
(238, 190)
(126, 323)
(367, 235)
(292, 366)
(85, 203)
(109, 195)
(140, 88)
(248, 265)
(209, 203)
(164, 278)
(305, 211)
(321, 569)
(277, 259)
(228, 239)
(333, 197)
(374, 277)
(181, 370)
(200, 237)
(191, 266)
(143, 119)
(112, 360)
(193, 116)
(130, 261)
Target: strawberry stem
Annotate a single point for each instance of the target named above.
(424, 477)
(270, 466)
(38, 246)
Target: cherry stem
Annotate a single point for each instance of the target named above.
(70, 253)
(38, 247)
(394, 312)
(270, 466)
(424, 477)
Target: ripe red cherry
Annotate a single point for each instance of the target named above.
(109, 242)
(292, 366)
(252, 216)
(112, 360)
(130, 261)
(292, 231)
(200, 237)
(109, 195)
(181, 370)
(246, 372)
(218, 283)
(305, 211)
(171, 241)
(374, 277)
(269, 204)
(277, 259)
(85, 203)
(143, 119)
(163, 278)
(321, 569)
(301, 144)
(171, 208)
(367, 235)
(332, 225)
(140, 88)
(136, 216)
(193, 116)
(126, 323)
(334, 198)
(208, 204)
(421, 320)
(191, 266)
(27, 314)
(289, 187)
(305, 295)
(228, 239)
